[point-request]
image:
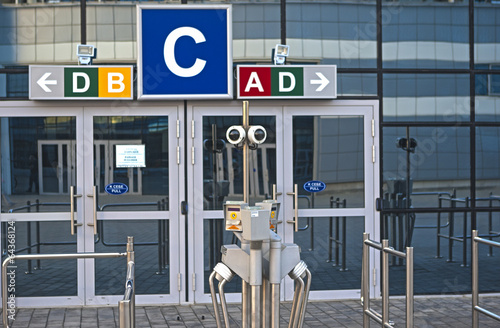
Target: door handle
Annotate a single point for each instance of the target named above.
(72, 197)
(94, 201)
(295, 195)
(276, 193)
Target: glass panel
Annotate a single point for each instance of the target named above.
(131, 155)
(487, 92)
(432, 36)
(215, 236)
(47, 277)
(152, 254)
(38, 163)
(486, 32)
(438, 163)
(356, 84)
(223, 165)
(487, 159)
(437, 269)
(426, 97)
(332, 249)
(329, 149)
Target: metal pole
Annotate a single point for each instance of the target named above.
(223, 302)
(464, 235)
(131, 258)
(409, 287)
(245, 155)
(475, 284)
(214, 298)
(365, 281)
(385, 284)
(256, 282)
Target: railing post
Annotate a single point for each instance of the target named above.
(365, 281)
(385, 284)
(409, 287)
(475, 291)
(131, 258)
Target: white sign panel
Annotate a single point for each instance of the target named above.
(130, 156)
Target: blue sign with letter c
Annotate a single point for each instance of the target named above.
(314, 186)
(184, 51)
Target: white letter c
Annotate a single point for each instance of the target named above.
(169, 52)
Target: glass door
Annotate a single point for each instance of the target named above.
(132, 189)
(41, 149)
(217, 176)
(330, 187)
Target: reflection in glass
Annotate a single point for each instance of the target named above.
(332, 250)
(141, 165)
(329, 149)
(438, 167)
(432, 36)
(487, 159)
(46, 277)
(223, 164)
(487, 92)
(152, 254)
(38, 163)
(427, 97)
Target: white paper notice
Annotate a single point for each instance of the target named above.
(130, 156)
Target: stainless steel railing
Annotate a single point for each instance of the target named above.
(368, 313)
(126, 307)
(476, 309)
(8, 261)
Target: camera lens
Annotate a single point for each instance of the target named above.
(234, 135)
(259, 135)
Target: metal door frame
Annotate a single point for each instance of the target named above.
(369, 110)
(176, 189)
(53, 109)
(70, 158)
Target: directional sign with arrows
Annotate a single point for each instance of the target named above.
(287, 81)
(80, 82)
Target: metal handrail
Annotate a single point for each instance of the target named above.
(29, 206)
(127, 305)
(476, 309)
(383, 319)
(6, 264)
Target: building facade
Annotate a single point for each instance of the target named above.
(408, 151)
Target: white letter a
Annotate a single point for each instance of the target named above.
(254, 82)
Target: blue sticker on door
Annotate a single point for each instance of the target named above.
(116, 188)
(314, 186)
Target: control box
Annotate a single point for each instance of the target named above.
(274, 207)
(232, 215)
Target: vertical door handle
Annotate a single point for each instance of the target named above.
(94, 201)
(72, 197)
(295, 195)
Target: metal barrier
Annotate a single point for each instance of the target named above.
(9, 261)
(162, 244)
(476, 309)
(126, 307)
(383, 319)
(336, 240)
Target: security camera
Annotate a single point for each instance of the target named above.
(256, 134)
(235, 134)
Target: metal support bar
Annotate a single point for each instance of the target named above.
(8, 261)
(368, 313)
(476, 309)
